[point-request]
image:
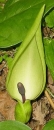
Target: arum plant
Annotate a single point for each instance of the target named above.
(27, 76)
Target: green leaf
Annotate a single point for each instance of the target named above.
(50, 19)
(13, 125)
(17, 18)
(49, 125)
(0, 59)
(2, 1)
(49, 54)
(8, 59)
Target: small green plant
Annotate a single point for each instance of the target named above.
(30, 74)
(20, 22)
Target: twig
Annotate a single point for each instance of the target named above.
(49, 98)
(52, 95)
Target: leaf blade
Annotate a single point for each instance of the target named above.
(49, 125)
(50, 19)
(49, 54)
(17, 18)
(13, 125)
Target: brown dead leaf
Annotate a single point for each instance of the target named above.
(38, 115)
(7, 106)
(3, 74)
(51, 88)
(40, 110)
(50, 83)
(50, 80)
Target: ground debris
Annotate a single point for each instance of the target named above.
(7, 106)
(40, 110)
(3, 75)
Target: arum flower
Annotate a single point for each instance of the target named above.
(27, 76)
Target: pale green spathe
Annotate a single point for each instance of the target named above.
(29, 64)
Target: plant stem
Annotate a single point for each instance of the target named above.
(52, 95)
(49, 98)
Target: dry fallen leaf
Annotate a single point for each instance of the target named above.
(40, 110)
(7, 106)
(38, 115)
